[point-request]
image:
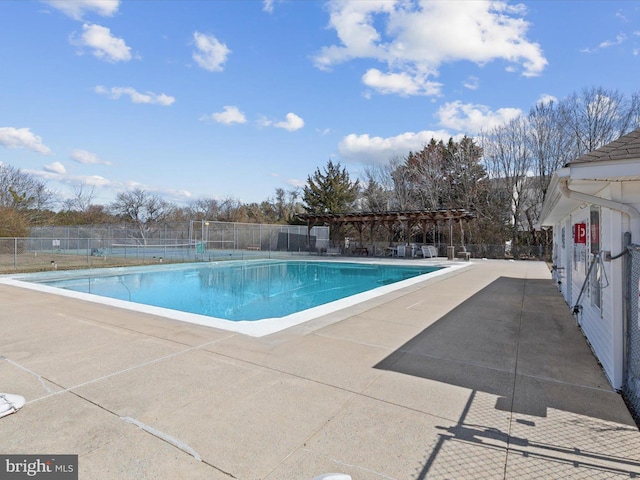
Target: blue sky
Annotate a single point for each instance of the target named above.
(218, 99)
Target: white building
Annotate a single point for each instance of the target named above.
(593, 206)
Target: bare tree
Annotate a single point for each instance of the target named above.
(402, 193)
(284, 207)
(596, 117)
(146, 211)
(378, 191)
(204, 209)
(549, 142)
(22, 191)
(635, 111)
(231, 210)
(427, 170)
(508, 161)
(81, 199)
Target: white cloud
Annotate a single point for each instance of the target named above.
(56, 167)
(378, 150)
(546, 98)
(293, 122)
(264, 121)
(210, 54)
(92, 180)
(87, 158)
(415, 39)
(105, 46)
(77, 8)
(400, 83)
(610, 43)
(12, 137)
(230, 115)
(621, 16)
(267, 5)
(296, 182)
(472, 83)
(353, 22)
(620, 39)
(57, 172)
(169, 194)
(471, 118)
(135, 96)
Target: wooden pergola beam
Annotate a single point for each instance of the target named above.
(409, 216)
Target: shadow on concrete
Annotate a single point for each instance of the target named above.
(549, 459)
(517, 340)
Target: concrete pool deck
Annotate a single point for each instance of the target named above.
(479, 374)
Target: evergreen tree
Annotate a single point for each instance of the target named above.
(331, 191)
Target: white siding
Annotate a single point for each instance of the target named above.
(602, 327)
(597, 324)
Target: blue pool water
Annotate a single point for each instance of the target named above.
(240, 290)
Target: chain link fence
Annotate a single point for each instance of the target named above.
(114, 245)
(631, 388)
(199, 240)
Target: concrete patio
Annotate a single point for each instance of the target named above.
(480, 374)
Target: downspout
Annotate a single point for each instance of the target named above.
(634, 216)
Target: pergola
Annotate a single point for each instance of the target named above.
(407, 218)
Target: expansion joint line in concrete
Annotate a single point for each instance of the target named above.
(113, 374)
(39, 377)
(174, 442)
(515, 376)
(147, 428)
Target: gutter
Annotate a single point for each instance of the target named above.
(633, 213)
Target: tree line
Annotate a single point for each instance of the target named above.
(501, 175)
(26, 202)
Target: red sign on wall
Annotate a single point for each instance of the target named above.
(580, 233)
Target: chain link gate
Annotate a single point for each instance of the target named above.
(631, 388)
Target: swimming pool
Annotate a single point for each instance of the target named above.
(235, 292)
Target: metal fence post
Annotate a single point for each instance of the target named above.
(631, 387)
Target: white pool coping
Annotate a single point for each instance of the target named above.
(254, 328)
